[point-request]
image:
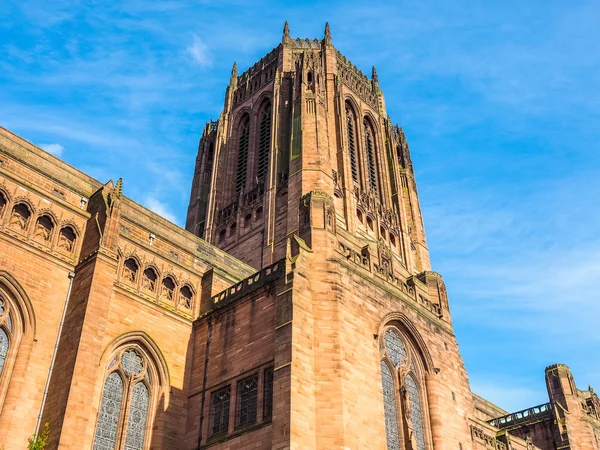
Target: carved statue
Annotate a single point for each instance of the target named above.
(411, 443)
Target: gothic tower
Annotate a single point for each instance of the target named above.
(305, 167)
(302, 120)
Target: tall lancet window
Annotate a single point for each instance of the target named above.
(242, 159)
(370, 149)
(124, 414)
(403, 394)
(351, 135)
(264, 142)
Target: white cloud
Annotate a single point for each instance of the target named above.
(160, 208)
(199, 52)
(53, 149)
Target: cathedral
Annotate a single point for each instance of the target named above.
(297, 310)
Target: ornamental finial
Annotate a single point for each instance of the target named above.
(327, 34)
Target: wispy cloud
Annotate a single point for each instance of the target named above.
(160, 208)
(53, 149)
(198, 51)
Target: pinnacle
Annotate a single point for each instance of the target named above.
(327, 34)
(286, 30)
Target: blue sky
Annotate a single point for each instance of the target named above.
(499, 101)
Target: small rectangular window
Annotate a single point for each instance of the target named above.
(247, 394)
(220, 411)
(268, 393)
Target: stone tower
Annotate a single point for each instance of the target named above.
(304, 121)
(305, 170)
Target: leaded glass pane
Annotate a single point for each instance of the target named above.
(220, 411)
(9, 323)
(1, 306)
(138, 414)
(395, 348)
(3, 348)
(389, 408)
(248, 398)
(132, 362)
(414, 411)
(110, 411)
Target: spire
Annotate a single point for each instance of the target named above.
(327, 34)
(286, 32)
(374, 75)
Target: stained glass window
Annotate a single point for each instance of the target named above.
(110, 411)
(248, 398)
(1, 306)
(268, 393)
(220, 411)
(132, 362)
(414, 410)
(138, 413)
(389, 408)
(3, 348)
(395, 348)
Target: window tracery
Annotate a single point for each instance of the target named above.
(168, 289)
(402, 393)
(43, 228)
(125, 402)
(20, 216)
(66, 239)
(130, 270)
(185, 297)
(149, 279)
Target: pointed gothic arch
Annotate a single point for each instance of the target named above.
(265, 120)
(352, 140)
(241, 150)
(371, 149)
(136, 379)
(17, 326)
(405, 362)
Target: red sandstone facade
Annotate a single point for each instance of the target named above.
(308, 319)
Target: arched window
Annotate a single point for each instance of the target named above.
(44, 226)
(370, 149)
(15, 325)
(130, 270)
(209, 158)
(247, 220)
(3, 202)
(351, 135)
(168, 289)
(125, 406)
(242, 161)
(149, 279)
(400, 374)
(19, 218)
(66, 239)
(264, 143)
(185, 297)
(222, 236)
